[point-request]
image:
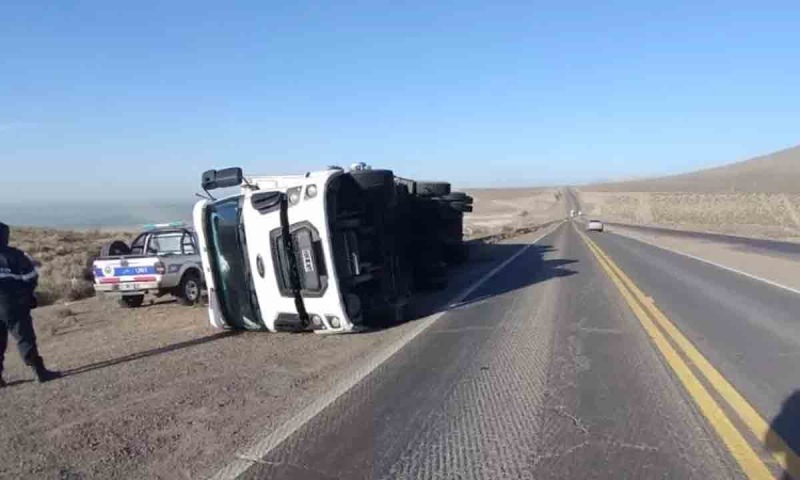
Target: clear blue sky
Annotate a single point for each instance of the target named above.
(127, 100)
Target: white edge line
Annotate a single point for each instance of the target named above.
(249, 456)
(714, 264)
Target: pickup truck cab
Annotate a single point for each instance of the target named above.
(330, 251)
(161, 260)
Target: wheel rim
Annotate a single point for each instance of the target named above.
(192, 290)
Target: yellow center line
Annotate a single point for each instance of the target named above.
(740, 449)
(781, 452)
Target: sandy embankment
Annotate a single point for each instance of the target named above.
(758, 215)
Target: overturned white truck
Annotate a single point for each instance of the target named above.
(330, 251)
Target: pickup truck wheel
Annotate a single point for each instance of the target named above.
(189, 289)
(131, 301)
(115, 248)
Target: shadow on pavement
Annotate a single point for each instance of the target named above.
(150, 353)
(18, 382)
(528, 269)
(787, 426)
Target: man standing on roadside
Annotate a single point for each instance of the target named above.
(18, 280)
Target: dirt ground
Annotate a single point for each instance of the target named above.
(759, 215)
(503, 210)
(155, 392)
(779, 269)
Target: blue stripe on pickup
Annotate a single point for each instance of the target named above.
(130, 271)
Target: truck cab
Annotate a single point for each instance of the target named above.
(267, 255)
(325, 251)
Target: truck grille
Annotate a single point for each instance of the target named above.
(306, 256)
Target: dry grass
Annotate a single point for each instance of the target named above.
(66, 257)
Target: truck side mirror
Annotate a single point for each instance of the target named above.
(227, 177)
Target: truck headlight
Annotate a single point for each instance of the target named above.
(311, 191)
(335, 323)
(294, 195)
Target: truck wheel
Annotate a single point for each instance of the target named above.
(391, 315)
(131, 301)
(115, 248)
(461, 206)
(189, 288)
(433, 189)
(432, 277)
(456, 254)
(457, 197)
(377, 181)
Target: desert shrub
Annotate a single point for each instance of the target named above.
(64, 312)
(66, 257)
(48, 292)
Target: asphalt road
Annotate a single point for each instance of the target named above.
(546, 372)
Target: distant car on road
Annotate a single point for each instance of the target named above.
(594, 226)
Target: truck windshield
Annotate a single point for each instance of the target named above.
(228, 255)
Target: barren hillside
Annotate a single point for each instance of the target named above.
(499, 210)
(777, 172)
(759, 197)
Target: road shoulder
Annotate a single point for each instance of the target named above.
(779, 271)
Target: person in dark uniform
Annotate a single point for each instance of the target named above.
(18, 280)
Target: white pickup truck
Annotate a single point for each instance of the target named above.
(329, 251)
(161, 260)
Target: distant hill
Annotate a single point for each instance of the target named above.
(95, 215)
(777, 172)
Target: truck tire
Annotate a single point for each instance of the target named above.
(432, 277)
(461, 206)
(131, 301)
(377, 182)
(388, 316)
(432, 189)
(189, 290)
(115, 248)
(455, 254)
(457, 197)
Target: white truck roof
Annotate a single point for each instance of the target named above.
(282, 182)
